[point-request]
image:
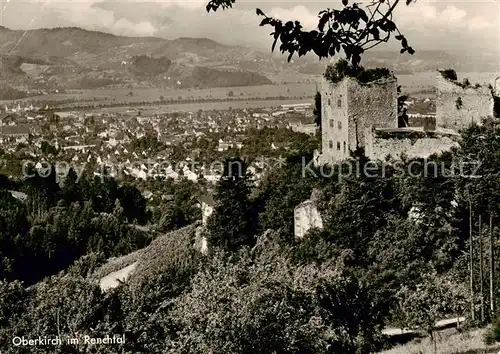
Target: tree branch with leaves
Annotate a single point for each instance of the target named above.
(351, 30)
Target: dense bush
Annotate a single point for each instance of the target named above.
(492, 335)
(59, 224)
(263, 303)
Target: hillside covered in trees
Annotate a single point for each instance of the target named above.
(258, 289)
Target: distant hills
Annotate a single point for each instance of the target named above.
(77, 58)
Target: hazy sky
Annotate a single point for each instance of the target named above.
(467, 25)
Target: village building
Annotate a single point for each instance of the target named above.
(309, 129)
(14, 134)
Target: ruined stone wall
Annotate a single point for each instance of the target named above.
(378, 148)
(374, 104)
(334, 124)
(307, 217)
(457, 107)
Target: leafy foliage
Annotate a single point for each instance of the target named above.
(492, 335)
(479, 159)
(215, 4)
(147, 143)
(278, 194)
(212, 77)
(245, 305)
(59, 223)
(391, 252)
(145, 65)
(179, 211)
(232, 223)
(65, 307)
(133, 204)
(435, 298)
(341, 69)
(48, 149)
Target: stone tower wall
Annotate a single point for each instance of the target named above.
(371, 105)
(348, 108)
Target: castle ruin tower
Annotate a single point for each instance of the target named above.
(349, 107)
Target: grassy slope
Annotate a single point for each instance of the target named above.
(449, 341)
(165, 252)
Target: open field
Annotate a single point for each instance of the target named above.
(141, 95)
(419, 84)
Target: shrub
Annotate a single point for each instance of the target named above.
(341, 69)
(492, 335)
(268, 305)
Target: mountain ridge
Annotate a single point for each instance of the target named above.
(80, 58)
(64, 57)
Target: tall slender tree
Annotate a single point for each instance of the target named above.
(492, 270)
(232, 223)
(481, 271)
(471, 264)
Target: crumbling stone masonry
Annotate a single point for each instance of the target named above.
(408, 142)
(458, 107)
(349, 108)
(354, 115)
